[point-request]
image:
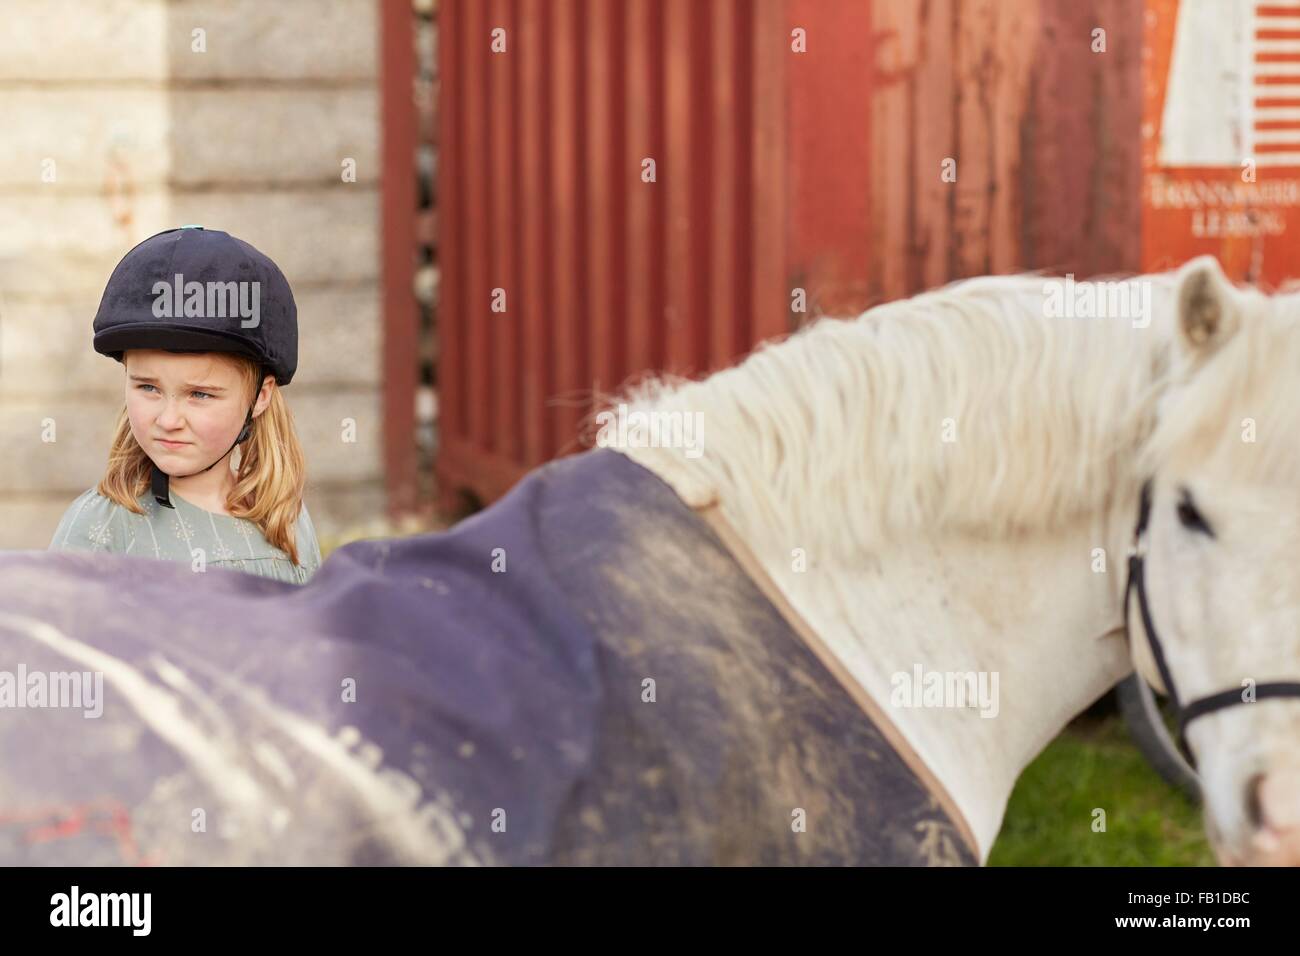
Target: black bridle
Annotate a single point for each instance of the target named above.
(1185, 713)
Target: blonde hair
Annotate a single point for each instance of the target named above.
(268, 483)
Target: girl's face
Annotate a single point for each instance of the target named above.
(185, 410)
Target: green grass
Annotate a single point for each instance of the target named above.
(374, 530)
(1093, 764)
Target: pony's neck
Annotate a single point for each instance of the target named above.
(929, 486)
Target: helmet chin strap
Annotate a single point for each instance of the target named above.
(160, 477)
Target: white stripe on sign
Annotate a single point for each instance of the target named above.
(1273, 114)
(1264, 70)
(1278, 136)
(1278, 159)
(1277, 23)
(1277, 46)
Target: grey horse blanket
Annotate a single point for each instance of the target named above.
(581, 674)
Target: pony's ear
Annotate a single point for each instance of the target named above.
(1208, 308)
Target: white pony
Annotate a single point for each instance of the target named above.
(948, 485)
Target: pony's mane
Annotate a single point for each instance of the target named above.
(840, 428)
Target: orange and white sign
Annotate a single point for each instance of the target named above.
(1221, 136)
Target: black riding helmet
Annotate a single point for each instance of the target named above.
(200, 290)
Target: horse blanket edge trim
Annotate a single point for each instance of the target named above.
(711, 514)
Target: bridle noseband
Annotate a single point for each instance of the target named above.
(1185, 713)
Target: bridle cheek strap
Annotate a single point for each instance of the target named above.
(1185, 713)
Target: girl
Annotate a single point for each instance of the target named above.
(207, 331)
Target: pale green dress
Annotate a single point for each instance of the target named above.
(94, 523)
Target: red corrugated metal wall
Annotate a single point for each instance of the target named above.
(775, 169)
(606, 276)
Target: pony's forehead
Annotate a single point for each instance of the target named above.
(1236, 416)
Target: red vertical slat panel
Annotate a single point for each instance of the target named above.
(657, 262)
(515, 344)
(684, 178)
(614, 369)
(743, 227)
(450, 251)
(401, 313)
(485, 391)
(894, 169)
(451, 243)
(580, 267)
(503, 326)
(642, 102)
(1016, 27)
(830, 148)
(719, 321)
(602, 185)
(1115, 241)
(933, 91)
(477, 234)
(703, 196)
(970, 209)
(1082, 164)
(533, 163)
(972, 218)
(561, 250)
(770, 305)
(546, 158)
